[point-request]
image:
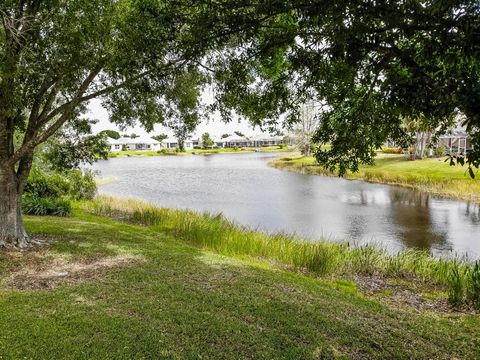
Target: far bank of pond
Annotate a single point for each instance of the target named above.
(433, 176)
(172, 152)
(243, 188)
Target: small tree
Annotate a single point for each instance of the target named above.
(112, 134)
(305, 129)
(207, 141)
(224, 136)
(160, 137)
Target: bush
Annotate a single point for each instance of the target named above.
(473, 287)
(73, 184)
(41, 185)
(440, 151)
(387, 150)
(82, 186)
(34, 205)
(282, 146)
(455, 287)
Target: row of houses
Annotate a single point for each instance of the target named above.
(146, 143)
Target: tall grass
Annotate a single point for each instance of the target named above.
(216, 233)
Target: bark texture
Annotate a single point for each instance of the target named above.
(12, 232)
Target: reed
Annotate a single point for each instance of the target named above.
(216, 233)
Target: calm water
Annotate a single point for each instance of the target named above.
(245, 189)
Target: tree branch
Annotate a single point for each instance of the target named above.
(27, 148)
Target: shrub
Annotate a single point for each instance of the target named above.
(82, 185)
(386, 150)
(473, 285)
(73, 184)
(455, 287)
(34, 205)
(42, 185)
(440, 151)
(282, 146)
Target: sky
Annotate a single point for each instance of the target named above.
(215, 126)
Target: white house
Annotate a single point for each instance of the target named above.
(139, 143)
(172, 143)
(219, 143)
(456, 140)
(266, 140)
(115, 145)
(235, 141)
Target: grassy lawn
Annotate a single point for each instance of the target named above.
(111, 290)
(431, 175)
(197, 151)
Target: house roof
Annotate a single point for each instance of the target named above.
(264, 137)
(113, 141)
(236, 138)
(456, 132)
(172, 140)
(138, 140)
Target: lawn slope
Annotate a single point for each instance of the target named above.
(111, 290)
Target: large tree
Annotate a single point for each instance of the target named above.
(57, 55)
(373, 64)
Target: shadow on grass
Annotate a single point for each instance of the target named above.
(182, 302)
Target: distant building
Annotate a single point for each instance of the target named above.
(265, 140)
(115, 145)
(137, 144)
(236, 141)
(172, 143)
(456, 140)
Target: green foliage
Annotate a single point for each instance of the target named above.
(65, 152)
(473, 286)
(214, 232)
(73, 184)
(42, 206)
(161, 298)
(160, 137)
(207, 141)
(42, 185)
(440, 151)
(81, 184)
(112, 134)
(455, 287)
(387, 150)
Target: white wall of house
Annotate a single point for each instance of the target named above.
(115, 145)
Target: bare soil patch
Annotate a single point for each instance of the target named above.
(406, 293)
(50, 275)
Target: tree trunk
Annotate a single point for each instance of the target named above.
(12, 232)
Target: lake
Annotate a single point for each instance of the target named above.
(245, 189)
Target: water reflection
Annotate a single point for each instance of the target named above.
(245, 189)
(411, 212)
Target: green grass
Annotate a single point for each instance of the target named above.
(181, 301)
(197, 151)
(216, 233)
(430, 175)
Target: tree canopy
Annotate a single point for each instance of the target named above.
(370, 64)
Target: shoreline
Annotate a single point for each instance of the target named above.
(146, 153)
(465, 189)
(181, 284)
